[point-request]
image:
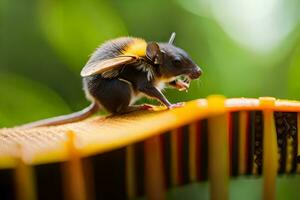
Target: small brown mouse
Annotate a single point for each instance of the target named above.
(125, 69)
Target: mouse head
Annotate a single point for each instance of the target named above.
(171, 60)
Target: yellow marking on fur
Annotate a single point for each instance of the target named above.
(137, 47)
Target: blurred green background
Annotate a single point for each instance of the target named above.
(245, 48)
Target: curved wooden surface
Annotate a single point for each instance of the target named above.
(101, 134)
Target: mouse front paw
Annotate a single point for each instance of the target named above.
(181, 85)
(176, 105)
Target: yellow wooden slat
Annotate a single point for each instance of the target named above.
(193, 152)
(154, 175)
(174, 158)
(218, 152)
(24, 178)
(73, 177)
(25, 182)
(270, 150)
(130, 172)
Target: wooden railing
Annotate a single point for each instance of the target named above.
(147, 153)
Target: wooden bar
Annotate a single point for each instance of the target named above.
(201, 154)
(270, 150)
(24, 178)
(130, 172)
(218, 159)
(193, 151)
(175, 175)
(154, 176)
(74, 182)
(218, 149)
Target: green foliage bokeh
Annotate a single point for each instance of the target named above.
(44, 44)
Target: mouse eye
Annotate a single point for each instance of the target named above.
(177, 61)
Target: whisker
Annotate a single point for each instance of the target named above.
(199, 83)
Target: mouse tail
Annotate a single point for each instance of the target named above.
(64, 119)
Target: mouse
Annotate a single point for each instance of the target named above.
(125, 69)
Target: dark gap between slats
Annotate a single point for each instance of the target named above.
(286, 129)
(166, 148)
(258, 141)
(281, 139)
(109, 172)
(235, 143)
(250, 142)
(292, 136)
(185, 155)
(179, 136)
(49, 181)
(7, 184)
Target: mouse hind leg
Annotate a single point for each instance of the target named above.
(113, 94)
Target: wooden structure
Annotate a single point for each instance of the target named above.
(146, 153)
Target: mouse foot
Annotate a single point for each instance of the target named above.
(134, 108)
(176, 105)
(146, 107)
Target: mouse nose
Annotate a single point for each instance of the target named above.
(196, 73)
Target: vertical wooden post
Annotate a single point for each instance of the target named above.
(74, 183)
(193, 152)
(175, 179)
(270, 150)
(154, 176)
(24, 177)
(218, 149)
(130, 172)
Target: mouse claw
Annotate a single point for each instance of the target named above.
(182, 89)
(147, 107)
(176, 105)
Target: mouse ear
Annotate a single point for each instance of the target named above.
(153, 52)
(172, 38)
